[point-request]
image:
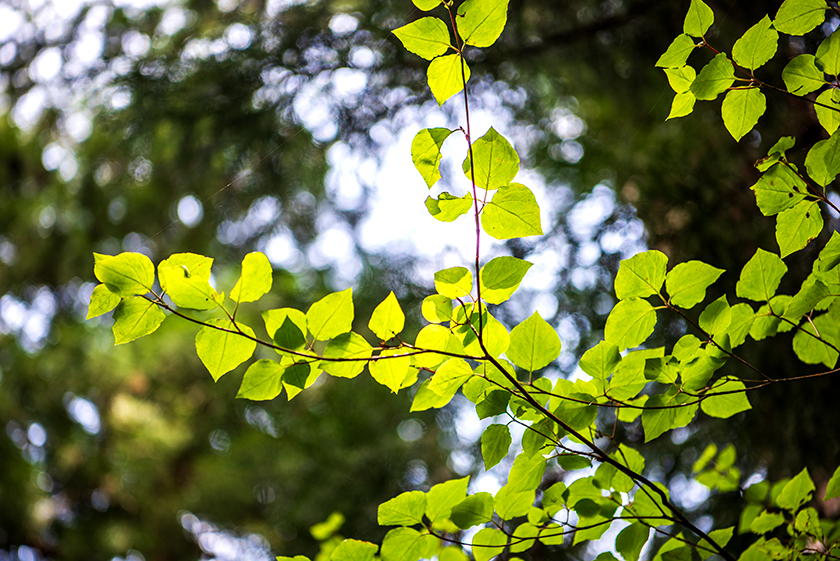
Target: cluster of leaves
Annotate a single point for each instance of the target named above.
(464, 348)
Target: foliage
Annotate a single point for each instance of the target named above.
(465, 348)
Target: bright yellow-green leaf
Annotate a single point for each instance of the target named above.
(496, 338)
(436, 308)
(390, 372)
(495, 444)
(135, 317)
(600, 361)
(480, 22)
(405, 509)
(435, 338)
(426, 37)
(287, 327)
(742, 319)
(455, 282)
(185, 277)
(641, 275)
(699, 19)
(741, 110)
(687, 283)
(512, 504)
(828, 109)
(798, 17)
(332, 315)
(630, 323)
(680, 78)
(797, 491)
(442, 497)
(534, 344)
(426, 5)
(448, 208)
(833, 488)
(262, 381)
(425, 153)
(387, 319)
(778, 189)
(488, 543)
(810, 294)
(255, 279)
(407, 544)
(446, 76)
(102, 301)
(757, 45)
(802, 76)
(427, 399)
(716, 317)
(475, 509)
(726, 404)
(222, 350)
(811, 350)
(512, 213)
(797, 226)
(714, 78)
(298, 377)
(767, 522)
(450, 376)
(761, 276)
(677, 52)
(682, 105)
(353, 351)
(631, 540)
(496, 162)
(125, 274)
(828, 54)
(354, 550)
(500, 278)
(823, 160)
(328, 527)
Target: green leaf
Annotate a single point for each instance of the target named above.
(347, 346)
(716, 317)
(656, 420)
(445, 76)
(495, 444)
(406, 509)
(102, 301)
(332, 315)
(496, 162)
(426, 37)
(512, 213)
(761, 276)
(827, 107)
(823, 160)
(741, 109)
(437, 308)
(185, 278)
(811, 350)
(407, 544)
(828, 54)
(388, 371)
(524, 536)
(222, 351)
(687, 283)
(677, 52)
(810, 294)
(354, 550)
(526, 473)
(796, 492)
(715, 78)
(472, 511)
(533, 344)
(742, 319)
(801, 75)
(442, 497)
(778, 189)
(680, 78)
(387, 319)
(575, 411)
(436, 338)
(728, 404)
(511, 504)
(427, 399)
(641, 275)
(833, 488)
(632, 459)
(450, 376)
(274, 320)
(263, 381)
(135, 317)
(328, 527)
(454, 283)
(699, 19)
(125, 274)
(425, 153)
(500, 278)
(448, 208)
(767, 522)
(757, 45)
(648, 503)
(255, 280)
(682, 105)
(797, 226)
(488, 543)
(631, 540)
(600, 361)
(629, 377)
(630, 323)
(426, 5)
(480, 22)
(798, 17)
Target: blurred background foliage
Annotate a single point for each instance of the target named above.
(223, 127)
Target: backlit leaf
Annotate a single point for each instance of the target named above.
(450, 376)
(405, 509)
(135, 317)
(761, 276)
(455, 282)
(714, 78)
(125, 274)
(716, 317)
(425, 153)
(797, 226)
(447, 208)
(488, 543)
(778, 189)
(682, 105)
(390, 372)
(407, 544)
(262, 381)
(641, 275)
(387, 319)
(687, 283)
(631, 540)
(801, 75)
(741, 110)
(680, 78)
(728, 404)
(445, 76)
(354, 352)
(332, 315)
(828, 54)
(426, 5)
(185, 277)
(426, 37)
(677, 52)
(480, 22)
(354, 550)
(833, 488)
(427, 399)
(255, 280)
(600, 361)
(630, 323)
(496, 162)
(823, 160)
(757, 45)
(437, 338)
(436, 308)
(102, 301)
(798, 17)
(699, 19)
(811, 350)
(442, 497)
(222, 350)
(472, 511)
(495, 444)
(828, 109)
(797, 491)
(500, 278)
(512, 213)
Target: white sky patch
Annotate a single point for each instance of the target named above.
(11, 21)
(46, 65)
(239, 36)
